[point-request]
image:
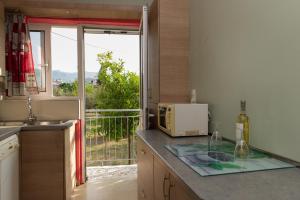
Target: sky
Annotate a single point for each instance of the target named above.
(64, 49)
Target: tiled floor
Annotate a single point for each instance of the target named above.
(109, 183)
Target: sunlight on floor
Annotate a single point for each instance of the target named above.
(112, 187)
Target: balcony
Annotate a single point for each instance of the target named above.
(111, 136)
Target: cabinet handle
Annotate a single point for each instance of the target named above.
(143, 152)
(164, 188)
(143, 194)
(171, 186)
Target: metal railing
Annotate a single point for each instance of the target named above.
(111, 136)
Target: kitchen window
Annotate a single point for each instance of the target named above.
(55, 59)
(38, 51)
(64, 61)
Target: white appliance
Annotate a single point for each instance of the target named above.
(9, 168)
(183, 119)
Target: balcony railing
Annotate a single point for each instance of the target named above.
(111, 136)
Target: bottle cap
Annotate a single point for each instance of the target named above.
(243, 105)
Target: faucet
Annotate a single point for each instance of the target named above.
(31, 117)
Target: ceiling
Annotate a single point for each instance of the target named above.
(112, 9)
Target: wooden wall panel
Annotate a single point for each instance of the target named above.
(69, 9)
(42, 165)
(2, 40)
(153, 50)
(168, 53)
(70, 161)
(174, 50)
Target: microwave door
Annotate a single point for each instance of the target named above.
(162, 117)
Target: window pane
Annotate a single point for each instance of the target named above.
(38, 51)
(64, 61)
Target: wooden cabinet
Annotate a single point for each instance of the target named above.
(145, 172)
(44, 172)
(156, 181)
(2, 40)
(168, 52)
(179, 191)
(161, 180)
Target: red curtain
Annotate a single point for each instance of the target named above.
(21, 79)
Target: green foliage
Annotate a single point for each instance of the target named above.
(116, 89)
(119, 89)
(66, 89)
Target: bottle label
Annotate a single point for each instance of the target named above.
(239, 131)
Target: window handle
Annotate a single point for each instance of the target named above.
(44, 65)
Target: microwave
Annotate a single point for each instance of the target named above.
(183, 119)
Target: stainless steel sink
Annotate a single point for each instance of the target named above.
(44, 123)
(36, 123)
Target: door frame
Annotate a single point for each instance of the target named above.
(81, 30)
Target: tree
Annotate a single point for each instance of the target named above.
(66, 89)
(119, 89)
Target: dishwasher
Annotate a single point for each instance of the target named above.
(9, 168)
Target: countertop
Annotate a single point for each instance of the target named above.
(61, 126)
(7, 131)
(279, 184)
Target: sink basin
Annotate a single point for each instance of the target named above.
(36, 123)
(45, 123)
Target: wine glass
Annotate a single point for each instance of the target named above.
(216, 139)
(241, 151)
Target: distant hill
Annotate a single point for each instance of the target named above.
(68, 77)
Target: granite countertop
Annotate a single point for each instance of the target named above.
(7, 131)
(276, 184)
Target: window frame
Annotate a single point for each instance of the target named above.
(47, 57)
(48, 94)
(43, 60)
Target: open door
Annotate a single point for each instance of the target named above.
(144, 67)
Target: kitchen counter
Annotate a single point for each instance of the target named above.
(6, 132)
(276, 184)
(60, 126)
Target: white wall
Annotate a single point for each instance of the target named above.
(250, 50)
(43, 109)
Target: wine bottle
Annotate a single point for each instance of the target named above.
(243, 123)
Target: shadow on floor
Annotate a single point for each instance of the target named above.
(112, 187)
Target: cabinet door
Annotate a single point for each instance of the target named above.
(161, 181)
(179, 191)
(42, 165)
(145, 171)
(174, 50)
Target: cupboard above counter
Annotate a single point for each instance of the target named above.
(168, 51)
(163, 167)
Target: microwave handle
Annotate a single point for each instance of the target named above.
(168, 118)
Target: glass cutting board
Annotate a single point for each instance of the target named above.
(208, 163)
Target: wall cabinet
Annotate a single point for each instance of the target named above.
(2, 40)
(168, 52)
(156, 181)
(46, 171)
